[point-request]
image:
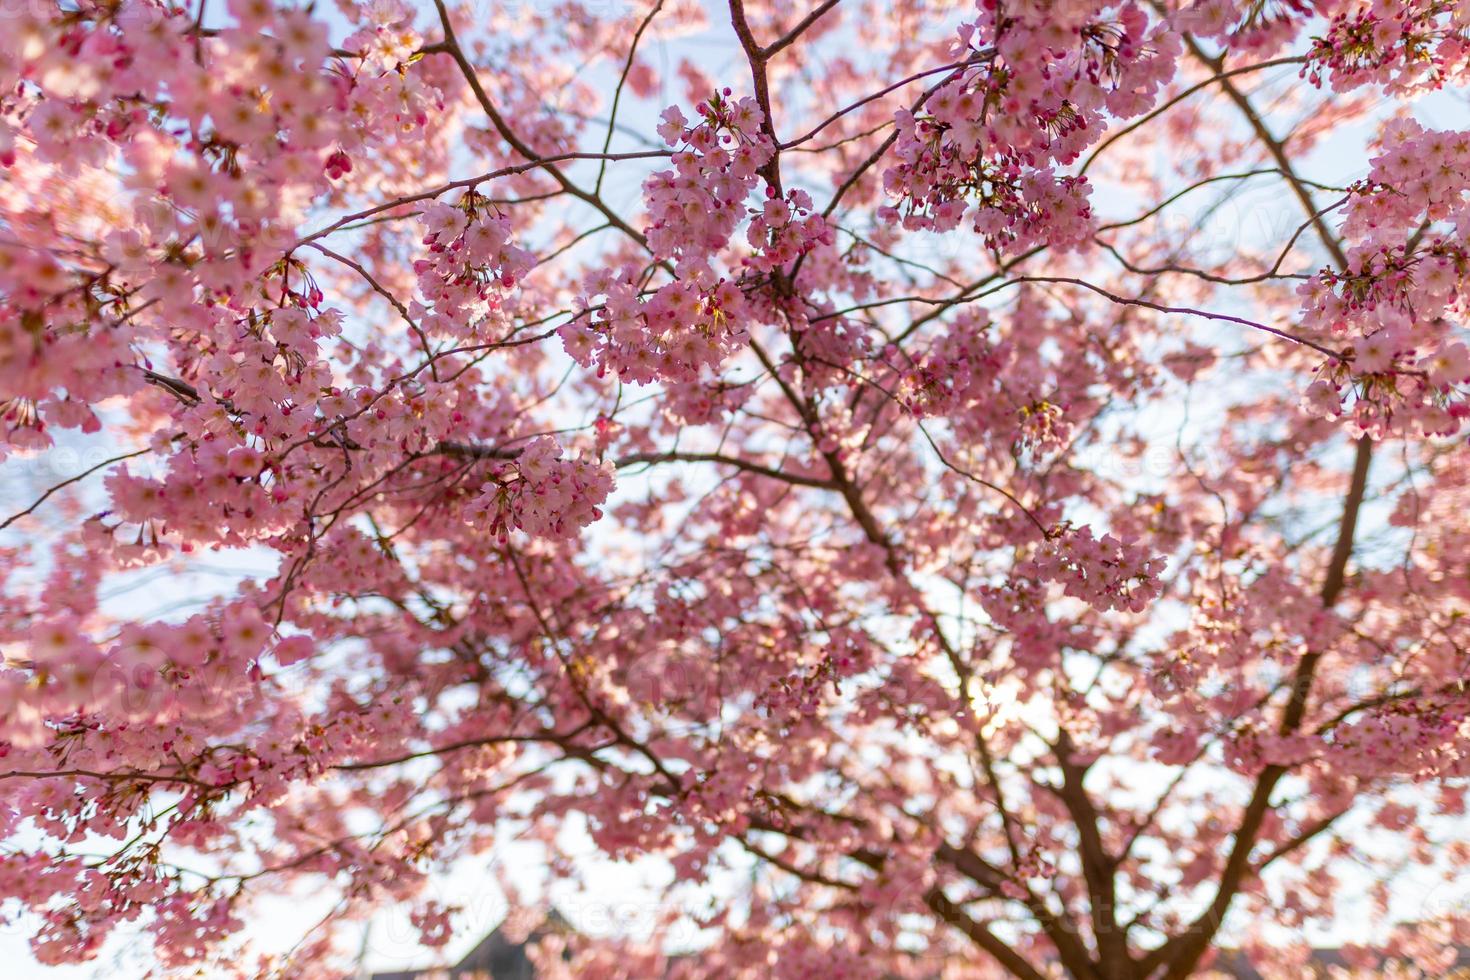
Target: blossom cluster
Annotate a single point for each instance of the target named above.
(695, 208)
(150, 676)
(987, 143)
(218, 143)
(955, 381)
(672, 333)
(784, 229)
(1403, 45)
(472, 262)
(546, 495)
(1399, 304)
(1106, 573)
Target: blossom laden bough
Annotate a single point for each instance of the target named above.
(827, 449)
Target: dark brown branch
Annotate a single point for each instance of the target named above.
(756, 57)
(747, 466)
(786, 39)
(1179, 955)
(1097, 865)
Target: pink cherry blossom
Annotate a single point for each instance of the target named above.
(973, 491)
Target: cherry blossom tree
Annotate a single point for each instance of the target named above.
(832, 443)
